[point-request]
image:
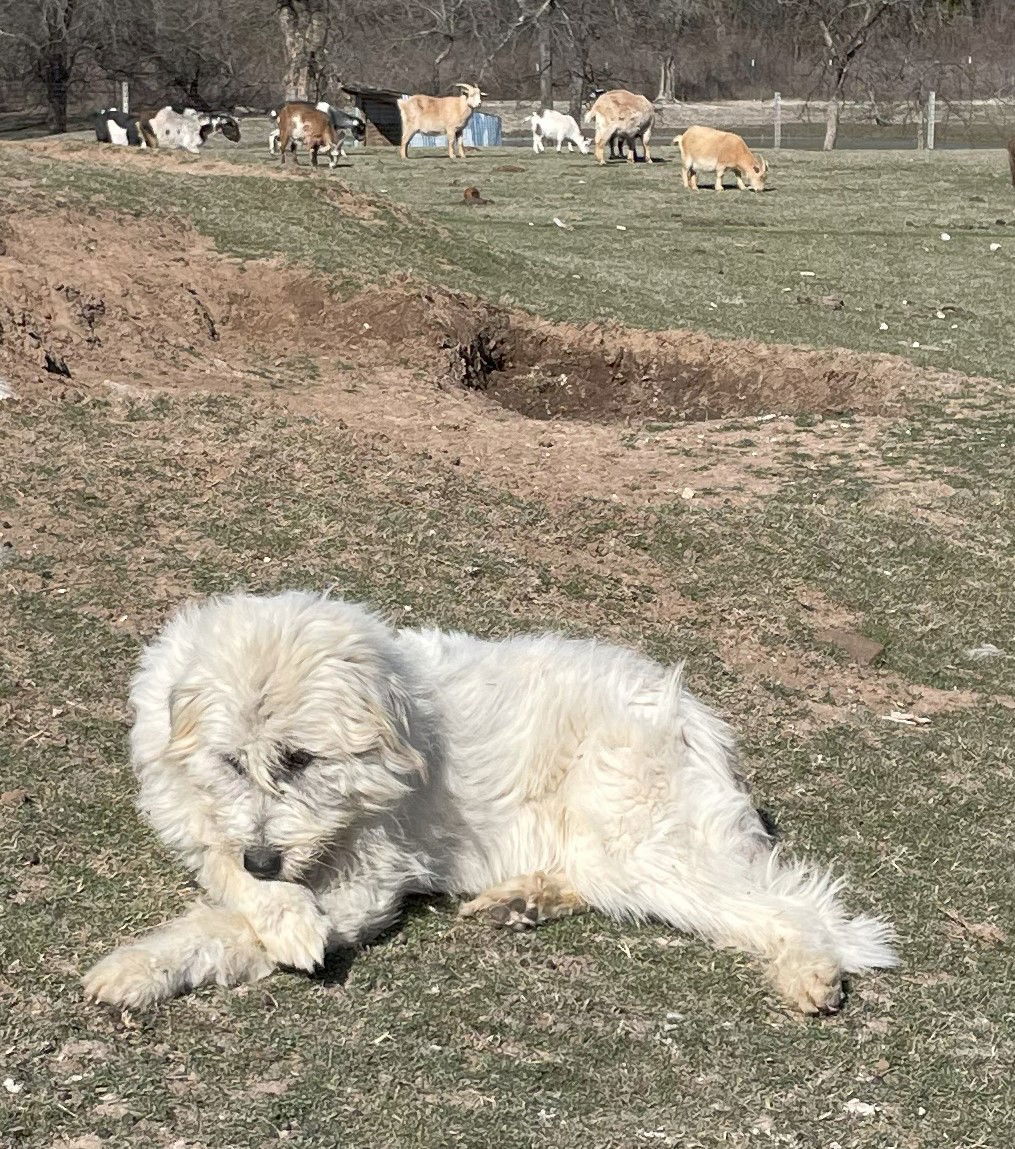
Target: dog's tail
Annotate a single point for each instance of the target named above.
(862, 943)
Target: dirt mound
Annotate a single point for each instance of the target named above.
(91, 293)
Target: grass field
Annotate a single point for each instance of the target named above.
(117, 506)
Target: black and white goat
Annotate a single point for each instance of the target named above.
(115, 127)
(343, 121)
(178, 127)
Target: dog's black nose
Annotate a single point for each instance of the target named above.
(262, 862)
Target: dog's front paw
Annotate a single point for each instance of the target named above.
(292, 928)
(810, 982)
(130, 978)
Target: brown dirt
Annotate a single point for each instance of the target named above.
(171, 160)
(554, 409)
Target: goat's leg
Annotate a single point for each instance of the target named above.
(461, 145)
(719, 171)
(644, 143)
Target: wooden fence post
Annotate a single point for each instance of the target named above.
(931, 109)
(777, 113)
(124, 96)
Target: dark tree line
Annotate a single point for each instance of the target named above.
(66, 55)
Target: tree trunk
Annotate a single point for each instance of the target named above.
(546, 60)
(667, 78)
(576, 94)
(57, 68)
(304, 27)
(833, 109)
(438, 60)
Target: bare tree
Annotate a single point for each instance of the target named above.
(51, 38)
(845, 28)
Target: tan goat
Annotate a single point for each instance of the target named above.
(301, 123)
(623, 116)
(446, 115)
(706, 150)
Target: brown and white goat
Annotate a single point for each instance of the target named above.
(622, 116)
(446, 115)
(707, 150)
(300, 122)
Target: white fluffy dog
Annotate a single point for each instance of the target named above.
(312, 766)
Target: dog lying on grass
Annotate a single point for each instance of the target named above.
(312, 766)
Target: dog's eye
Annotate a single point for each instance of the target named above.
(234, 763)
(293, 760)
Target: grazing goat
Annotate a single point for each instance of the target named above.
(343, 120)
(551, 125)
(706, 150)
(115, 127)
(624, 116)
(177, 127)
(447, 115)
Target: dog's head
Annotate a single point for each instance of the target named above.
(268, 726)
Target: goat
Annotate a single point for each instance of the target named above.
(625, 116)
(300, 122)
(553, 125)
(616, 146)
(707, 150)
(343, 120)
(115, 127)
(447, 115)
(178, 127)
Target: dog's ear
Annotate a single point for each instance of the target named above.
(392, 714)
(184, 710)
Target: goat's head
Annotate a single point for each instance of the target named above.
(473, 96)
(228, 126)
(756, 174)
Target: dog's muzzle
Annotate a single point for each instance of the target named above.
(263, 862)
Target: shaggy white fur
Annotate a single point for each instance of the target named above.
(312, 766)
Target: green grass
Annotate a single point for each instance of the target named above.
(588, 1033)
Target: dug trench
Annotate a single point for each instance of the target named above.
(93, 301)
(88, 294)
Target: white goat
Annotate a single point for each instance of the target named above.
(551, 125)
(177, 127)
(446, 115)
